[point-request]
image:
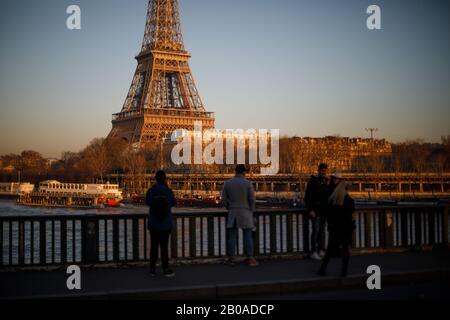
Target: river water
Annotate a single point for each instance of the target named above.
(10, 208)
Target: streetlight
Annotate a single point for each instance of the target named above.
(372, 130)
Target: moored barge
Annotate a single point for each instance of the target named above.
(74, 195)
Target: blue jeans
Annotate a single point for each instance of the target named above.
(232, 241)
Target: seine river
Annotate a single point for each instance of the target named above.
(9, 208)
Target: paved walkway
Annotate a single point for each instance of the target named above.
(437, 289)
(217, 281)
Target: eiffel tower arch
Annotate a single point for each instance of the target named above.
(163, 96)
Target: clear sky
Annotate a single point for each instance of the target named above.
(309, 68)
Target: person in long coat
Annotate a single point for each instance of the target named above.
(238, 197)
(340, 227)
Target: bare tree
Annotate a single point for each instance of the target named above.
(418, 154)
(95, 157)
(134, 164)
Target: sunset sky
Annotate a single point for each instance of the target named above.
(308, 68)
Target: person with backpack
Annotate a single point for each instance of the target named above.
(160, 199)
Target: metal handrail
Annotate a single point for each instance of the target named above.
(41, 240)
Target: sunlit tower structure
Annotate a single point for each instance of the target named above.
(163, 96)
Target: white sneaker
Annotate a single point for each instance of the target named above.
(315, 256)
(322, 253)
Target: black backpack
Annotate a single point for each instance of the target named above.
(159, 205)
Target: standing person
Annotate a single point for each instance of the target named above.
(340, 226)
(238, 197)
(160, 199)
(316, 200)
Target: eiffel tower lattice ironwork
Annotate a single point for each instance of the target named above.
(163, 96)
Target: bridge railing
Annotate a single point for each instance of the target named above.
(54, 240)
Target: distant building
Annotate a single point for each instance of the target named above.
(340, 153)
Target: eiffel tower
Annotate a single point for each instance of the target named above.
(163, 96)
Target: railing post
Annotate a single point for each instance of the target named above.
(431, 227)
(368, 227)
(21, 236)
(273, 233)
(1, 243)
(42, 242)
(89, 239)
(10, 246)
(63, 240)
(306, 236)
(355, 231)
(192, 237)
(210, 236)
(116, 242)
(289, 233)
(404, 227)
(388, 228)
(256, 238)
(445, 226)
(418, 228)
(174, 239)
(135, 239)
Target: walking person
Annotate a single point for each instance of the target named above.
(316, 200)
(238, 197)
(160, 199)
(340, 227)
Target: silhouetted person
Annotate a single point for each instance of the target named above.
(340, 227)
(160, 199)
(316, 201)
(238, 197)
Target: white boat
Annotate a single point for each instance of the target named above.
(80, 188)
(110, 194)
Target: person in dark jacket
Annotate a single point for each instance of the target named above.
(316, 200)
(160, 199)
(340, 227)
